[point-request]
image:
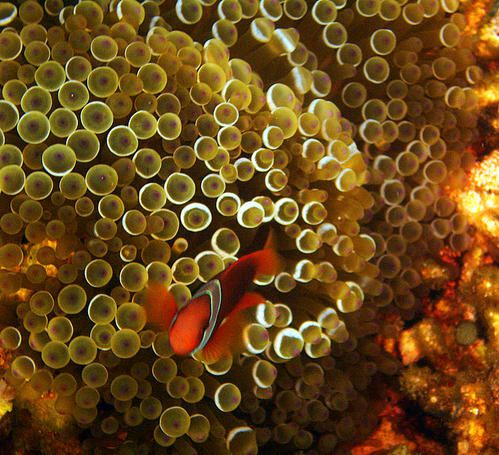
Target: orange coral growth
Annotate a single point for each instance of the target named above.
(5, 358)
(475, 13)
(395, 433)
(488, 47)
(386, 436)
(480, 198)
(459, 384)
(410, 349)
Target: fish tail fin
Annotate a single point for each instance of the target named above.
(226, 339)
(160, 306)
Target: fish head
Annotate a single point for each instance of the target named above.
(188, 327)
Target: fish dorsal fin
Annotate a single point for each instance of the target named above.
(160, 306)
(270, 263)
(271, 242)
(214, 291)
(225, 337)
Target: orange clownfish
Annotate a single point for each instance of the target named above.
(210, 322)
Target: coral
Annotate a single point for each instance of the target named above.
(6, 395)
(479, 201)
(460, 383)
(458, 338)
(155, 143)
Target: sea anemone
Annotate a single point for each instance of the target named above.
(151, 143)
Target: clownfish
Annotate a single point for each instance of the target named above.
(213, 319)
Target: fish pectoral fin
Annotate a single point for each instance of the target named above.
(227, 337)
(248, 300)
(160, 306)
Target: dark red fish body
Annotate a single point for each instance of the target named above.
(236, 280)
